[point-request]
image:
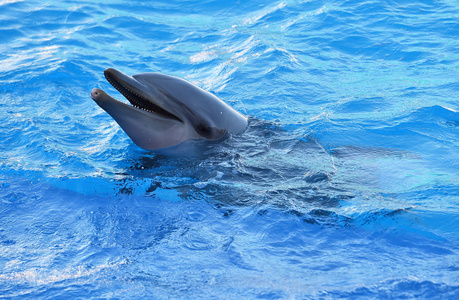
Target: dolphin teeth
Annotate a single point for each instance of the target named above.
(137, 100)
(144, 109)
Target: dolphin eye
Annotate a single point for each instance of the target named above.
(204, 130)
(208, 132)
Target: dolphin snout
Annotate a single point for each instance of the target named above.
(96, 94)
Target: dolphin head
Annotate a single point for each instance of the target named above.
(166, 110)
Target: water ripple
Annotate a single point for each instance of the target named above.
(349, 164)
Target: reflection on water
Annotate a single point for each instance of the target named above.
(269, 167)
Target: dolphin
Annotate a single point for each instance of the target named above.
(166, 111)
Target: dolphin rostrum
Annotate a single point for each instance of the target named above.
(166, 110)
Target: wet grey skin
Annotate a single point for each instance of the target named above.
(166, 111)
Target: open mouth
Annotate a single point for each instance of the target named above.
(137, 100)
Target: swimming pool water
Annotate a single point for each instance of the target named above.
(345, 184)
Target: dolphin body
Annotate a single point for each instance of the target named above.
(166, 110)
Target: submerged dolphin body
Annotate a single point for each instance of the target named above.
(166, 110)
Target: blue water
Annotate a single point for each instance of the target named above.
(345, 184)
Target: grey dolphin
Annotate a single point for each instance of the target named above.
(166, 110)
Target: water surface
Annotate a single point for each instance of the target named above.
(345, 184)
